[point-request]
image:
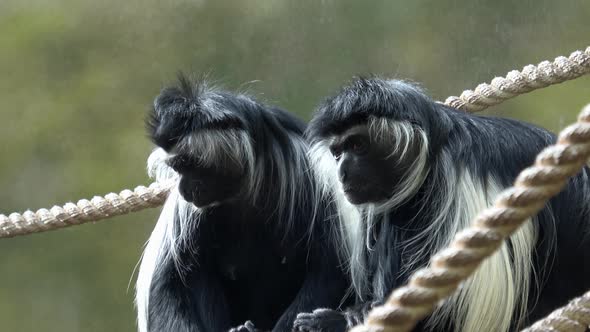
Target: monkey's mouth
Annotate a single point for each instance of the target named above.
(363, 194)
(357, 194)
(206, 205)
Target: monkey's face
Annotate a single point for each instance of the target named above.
(209, 141)
(206, 185)
(381, 133)
(367, 168)
(363, 168)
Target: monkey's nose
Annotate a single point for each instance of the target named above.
(342, 174)
(186, 193)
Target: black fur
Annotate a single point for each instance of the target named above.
(246, 260)
(487, 147)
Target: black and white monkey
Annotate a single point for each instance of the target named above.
(245, 235)
(413, 172)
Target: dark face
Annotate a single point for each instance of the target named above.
(205, 185)
(368, 171)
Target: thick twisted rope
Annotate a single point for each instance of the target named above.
(533, 187)
(83, 211)
(485, 95)
(574, 317)
(519, 82)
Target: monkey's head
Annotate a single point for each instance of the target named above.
(375, 137)
(206, 135)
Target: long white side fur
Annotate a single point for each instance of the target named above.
(351, 227)
(157, 247)
(502, 282)
(216, 147)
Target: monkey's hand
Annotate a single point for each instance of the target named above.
(320, 320)
(248, 326)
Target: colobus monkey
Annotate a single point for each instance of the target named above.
(246, 233)
(417, 172)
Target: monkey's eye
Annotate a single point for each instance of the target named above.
(358, 145)
(336, 152)
(179, 164)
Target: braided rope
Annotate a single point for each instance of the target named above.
(533, 187)
(83, 211)
(520, 82)
(574, 317)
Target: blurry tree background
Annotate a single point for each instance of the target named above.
(77, 78)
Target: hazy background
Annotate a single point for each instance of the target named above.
(77, 77)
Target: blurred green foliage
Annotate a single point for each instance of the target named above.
(77, 78)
